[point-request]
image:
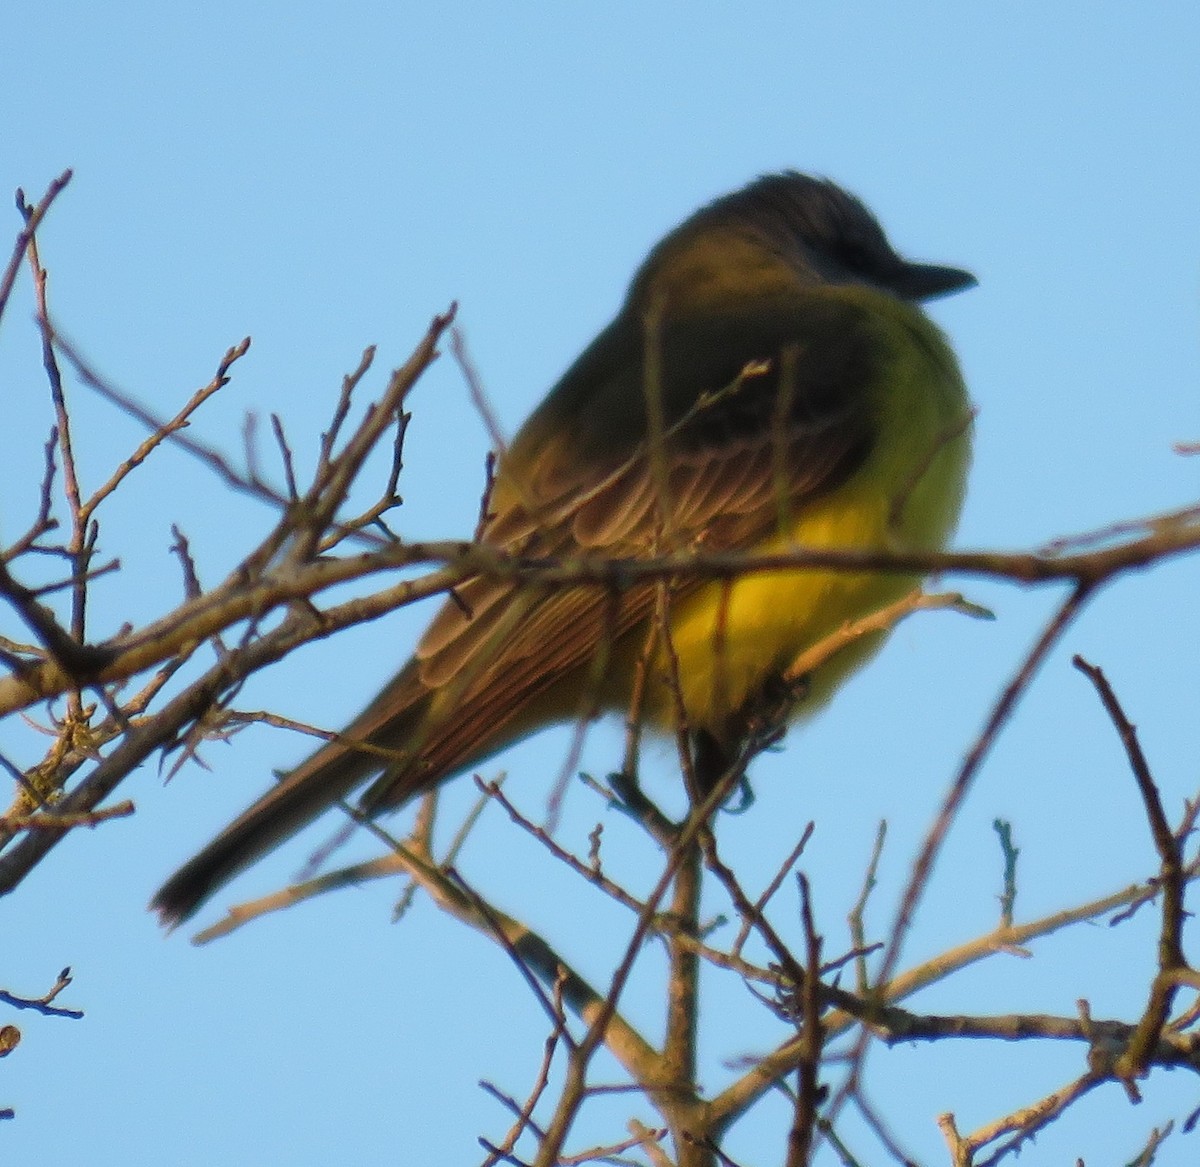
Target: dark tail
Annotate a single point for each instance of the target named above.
(331, 774)
(290, 807)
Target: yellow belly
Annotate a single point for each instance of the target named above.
(729, 639)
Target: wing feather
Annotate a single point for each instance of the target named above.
(579, 497)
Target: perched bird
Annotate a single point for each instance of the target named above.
(769, 382)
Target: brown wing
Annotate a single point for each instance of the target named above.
(579, 479)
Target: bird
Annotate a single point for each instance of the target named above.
(770, 381)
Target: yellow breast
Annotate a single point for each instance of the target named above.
(730, 638)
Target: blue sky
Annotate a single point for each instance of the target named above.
(323, 180)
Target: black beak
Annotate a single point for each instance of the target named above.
(924, 281)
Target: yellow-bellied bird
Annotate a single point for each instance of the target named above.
(769, 382)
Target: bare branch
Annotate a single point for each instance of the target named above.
(33, 219)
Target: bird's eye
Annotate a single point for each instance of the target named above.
(854, 255)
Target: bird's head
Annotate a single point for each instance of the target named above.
(818, 230)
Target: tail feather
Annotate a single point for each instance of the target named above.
(292, 805)
(429, 737)
(330, 774)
